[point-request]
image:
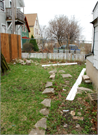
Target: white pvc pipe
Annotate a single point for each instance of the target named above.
(62, 64)
(73, 91)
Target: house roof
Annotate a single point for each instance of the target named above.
(95, 21)
(31, 18)
(95, 6)
(27, 24)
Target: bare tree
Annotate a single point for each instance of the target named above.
(57, 28)
(61, 28)
(43, 31)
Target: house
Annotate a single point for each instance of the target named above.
(6, 16)
(25, 31)
(34, 25)
(92, 60)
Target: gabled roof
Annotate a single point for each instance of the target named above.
(95, 6)
(27, 24)
(31, 18)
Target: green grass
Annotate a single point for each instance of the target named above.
(21, 95)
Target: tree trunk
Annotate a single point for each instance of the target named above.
(4, 65)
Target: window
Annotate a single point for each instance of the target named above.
(1, 5)
(36, 31)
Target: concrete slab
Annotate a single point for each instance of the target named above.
(49, 84)
(66, 75)
(61, 64)
(46, 102)
(41, 123)
(44, 111)
(48, 91)
(37, 132)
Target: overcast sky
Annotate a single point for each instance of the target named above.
(47, 9)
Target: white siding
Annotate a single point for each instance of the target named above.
(96, 48)
(95, 14)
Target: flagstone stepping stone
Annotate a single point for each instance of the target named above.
(37, 132)
(79, 89)
(66, 75)
(46, 102)
(49, 84)
(52, 76)
(48, 91)
(41, 123)
(44, 111)
(61, 71)
(53, 72)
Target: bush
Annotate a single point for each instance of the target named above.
(27, 47)
(34, 43)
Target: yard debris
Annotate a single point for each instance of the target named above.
(79, 113)
(23, 63)
(66, 125)
(80, 89)
(77, 126)
(44, 111)
(77, 118)
(46, 102)
(64, 89)
(72, 113)
(37, 132)
(20, 61)
(41, 123)
(86, 79)
(66, 75)
(65, 111)
(14, 63)
(48, 91)
(49, 84)
(28, 62)
(52, 76)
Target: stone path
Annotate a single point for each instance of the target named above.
(47, 103)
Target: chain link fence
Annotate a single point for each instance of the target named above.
(52, 46)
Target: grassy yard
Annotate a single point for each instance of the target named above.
(21, 95)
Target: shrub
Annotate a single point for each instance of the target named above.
(27, 47)
(34, 43)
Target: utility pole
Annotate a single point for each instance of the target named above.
(13, 18)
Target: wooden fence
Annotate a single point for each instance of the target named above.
(10, 46)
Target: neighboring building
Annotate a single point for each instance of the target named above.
(34, 25)
(25, 32)
(25, 29)
(6, 16)
(92, 60)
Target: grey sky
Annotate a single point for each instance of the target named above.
(47, 9)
